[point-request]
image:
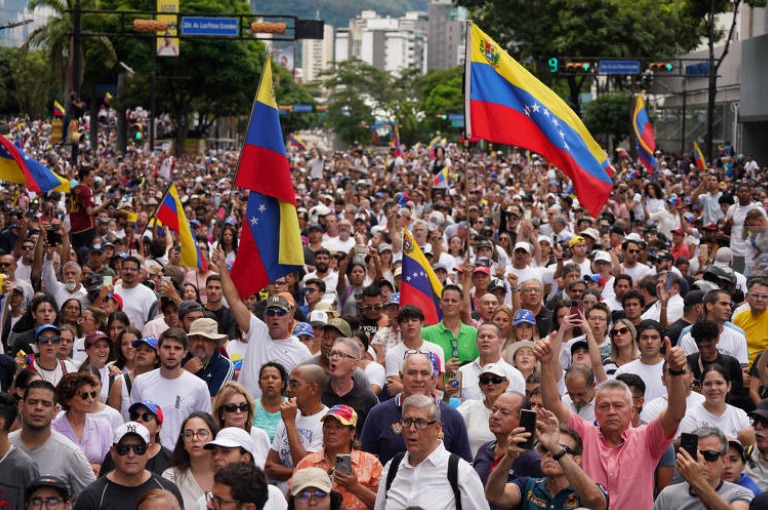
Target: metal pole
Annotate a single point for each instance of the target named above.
(685, 104)
(152, 93)
(76, 14)
(712, 83)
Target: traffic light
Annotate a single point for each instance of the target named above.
(138, 132)
(578, 67)
(150, 25)
(554, 64)
(260, 27)
(661, 67)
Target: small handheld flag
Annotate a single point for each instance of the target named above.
(419, 285)
(646, 144)
(58, 110)
(296, 141)
(698, 157)
(171, 213)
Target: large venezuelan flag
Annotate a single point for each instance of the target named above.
(270, 241)
(419, 285)
(171, 213)
(698, 157)
(18, 167)
(646, 144)
(506, 104)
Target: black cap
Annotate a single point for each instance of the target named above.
(48, 481)
(189, 306)
(496, 284)
(616, 229)
(761, 410)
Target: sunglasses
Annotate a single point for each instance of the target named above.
(492, 379)
(710, 455)
(84, 395)
(372, 308)
(142, 416)
(45, 340)
(138, 449)
(633, 251)
(543, 449)
(619, 331)
(307, 495)
(231, 408)
(310, 290)
(279, 312)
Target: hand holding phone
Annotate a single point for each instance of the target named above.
(528, 421)
(690, 443)
(343, 463)
(577, 308)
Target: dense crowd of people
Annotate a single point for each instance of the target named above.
(607, 362)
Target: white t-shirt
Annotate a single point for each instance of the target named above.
(652, 410)
(650, 374)
(396, 355)
(178, 398)
(476, 415)
(310, 430)
(289, 352)
(376, 374)
(523, 275)
(637, 272)
(261, 446)
(137, 303)
(470, 380)
(337, 245)
(732, 421)
(732, 342)
(675, 307)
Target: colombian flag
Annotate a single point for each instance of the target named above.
(298, 142)
(58, 110)
(270, 241)
(646, 145)
(419, 285)
(18, 167)
(698, 157)
(506, 104)
(171, 213)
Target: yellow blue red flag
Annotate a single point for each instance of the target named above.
(171, 213)
(419, 285)
(18, 167)
(395, 143)
(270, 240)
(646, 143)
(296, 141)
(58, 110)
(698, 157)
(506, 104)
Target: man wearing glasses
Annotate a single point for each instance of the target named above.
(703, 487)
(565, 483)
(46, 363)
(631, 266)
(122, 488)
(344, 359)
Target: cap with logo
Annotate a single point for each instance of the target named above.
(495, 369)
(151, 406)
(303, 328)
(345, 414)
(232, 437)
(318, 318)
(131, 428)
(45, 327)
(278, 302)
(523, 316)
(148, 340)
(49, 482)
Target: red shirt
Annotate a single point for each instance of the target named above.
(79, 201)
(681, 250)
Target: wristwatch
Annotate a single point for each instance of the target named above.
(675, 372)
(559, 455)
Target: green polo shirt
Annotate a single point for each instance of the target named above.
(466, 340)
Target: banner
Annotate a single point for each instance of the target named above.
(168, 45)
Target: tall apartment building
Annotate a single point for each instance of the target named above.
(445, 34)
(317, 55)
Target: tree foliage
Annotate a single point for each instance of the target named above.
(608, 116)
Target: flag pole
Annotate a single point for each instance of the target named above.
(157, 208)
(267, 62)
(467, 118)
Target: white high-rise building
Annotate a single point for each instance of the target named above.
(317, 55)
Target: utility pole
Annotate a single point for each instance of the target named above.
(76, 14)
(712, 84)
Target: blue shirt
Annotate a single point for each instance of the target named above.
(749, 483)
(535, 495)
(528, 464)
(217, 372)
(383, 436)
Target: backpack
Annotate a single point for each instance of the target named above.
(453, 475)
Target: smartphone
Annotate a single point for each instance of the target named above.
(106, 280)
(669, 281)
(360, 250)
(344, 463)
(528, 421)
(455, 381)
(166, 279)
(690, 443)
(577, 308)
(704, 251)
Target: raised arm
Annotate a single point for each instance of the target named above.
(497, 490)
(677, 364)
(549, 392)
(239, 310)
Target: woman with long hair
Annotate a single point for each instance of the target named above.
(234, 407)
(228, 243)
(98, 350)
(623, 346)
(457, 250)
(124, 353)
(77, 394)
(191, 466)
(273, 379)
(92, 319)
(190, 293)
(352, 279)
(523, 328)
(100, 410)
(503, 317)
(359, 487)
(145, 359)
(70, 313)
(715, 411)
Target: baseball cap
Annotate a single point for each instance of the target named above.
(340, 325)
(694, 297)
(575, 240)
(604, 256)
(482, 269)
(318, 318)
(439, 266)
(581, 344)
(523, 316)
(232, 437)
(93, 337)
(597, 278)
(149, 340)
(131, 428)
(345, 414)
(495, 369)
(735, 443)
(207, 328)
(678, 231)
(310, 477)
(544, 239)
(761, 410)
(189, 306)
(278, 302)
(496, 284)
(316, 226)
(522, 245)
(117, 298)
(51, 482)
(590, 232)
(151, 406)
(97, 247)
(394, 299)
(303, 328)
(384, 247)
(45, 327)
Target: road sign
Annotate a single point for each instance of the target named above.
(210, 26)
(619, 67)
(302, 108)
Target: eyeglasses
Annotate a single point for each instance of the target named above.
(419, 423)
(142, 416)
(339, 354)
(84, 395)
(372, 308)
(27, 248)
(201, 434)
(276, 312)
(307, 495)
(50, 503)
(544, 450)
(5, 264)
(530, 290)
(411, 352)
(244, 407)
(138, 449)
(619, 331)
(217, 502)
(85, 318)
(759, 420)
(279, 283)
(492, 379)
(758, 297)
(710, 455)
(45, 340)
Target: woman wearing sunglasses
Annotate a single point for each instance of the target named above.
(77, 395)
(234, 407)
(623, 346)
(312, 489)
(493, 382)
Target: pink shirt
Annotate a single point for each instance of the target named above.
(627, 470)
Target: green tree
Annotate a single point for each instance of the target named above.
(34, 82)
(609, 115)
